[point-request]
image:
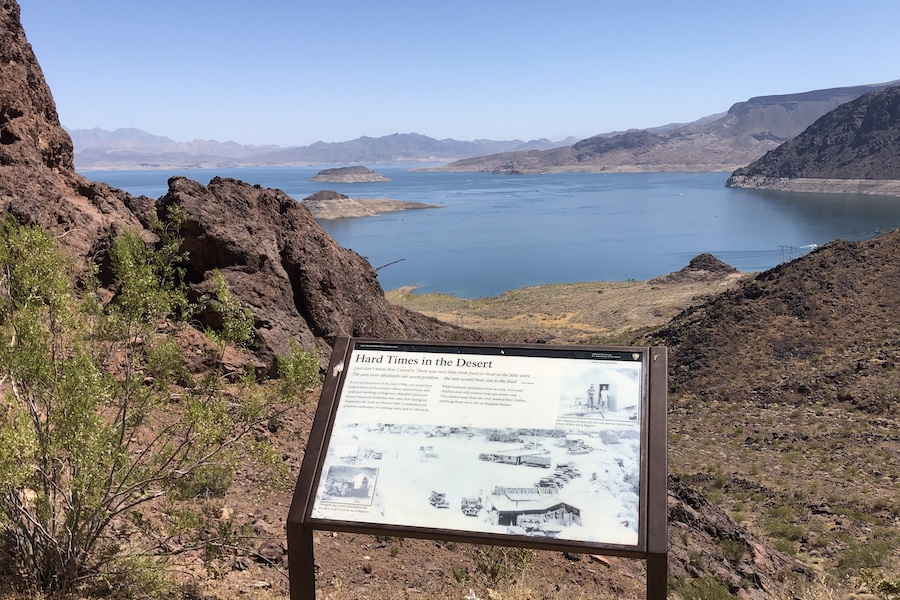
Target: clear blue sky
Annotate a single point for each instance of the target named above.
(292, 72)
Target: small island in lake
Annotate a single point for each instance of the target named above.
(348, 175)
(332, 205)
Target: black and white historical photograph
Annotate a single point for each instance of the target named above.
(349, 484)
(593, 390)
(518, 445)
(576, 485)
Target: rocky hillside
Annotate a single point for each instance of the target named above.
(783, 406)
(812, 330)
(858, 140)
(785, 402)
(747, 131)
(301, 286)
(304, 288)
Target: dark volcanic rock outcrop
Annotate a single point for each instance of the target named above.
(348, 175)
(698, 531)
(859, 140)
(37, 182)
(703, 266)
(30, 134)
(298, 282)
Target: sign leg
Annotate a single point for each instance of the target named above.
(301, 563)
(657, 576)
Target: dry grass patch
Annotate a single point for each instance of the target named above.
(605, 312)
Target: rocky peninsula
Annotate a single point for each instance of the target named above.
(874, 187)
(355, 174)
(332, 205)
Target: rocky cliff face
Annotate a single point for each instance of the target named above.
(298, 282)
(857, 141)
(37, 182)
(30, 134)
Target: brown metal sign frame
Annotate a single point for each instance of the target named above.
(651, 543)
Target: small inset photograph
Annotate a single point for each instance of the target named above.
(600, 393)
(350, 484)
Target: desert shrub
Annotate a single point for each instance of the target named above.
(140, 577)
(298, 371)
(236, 322)
(500, 564)
(703, 588)
(876, 582)
(785, 546)
(786, 531)
(734, 550)
(92, 424)
(870, 554)
(460, 574)
(206, 481)
(780, 523)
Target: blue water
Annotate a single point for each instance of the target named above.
(494, 233)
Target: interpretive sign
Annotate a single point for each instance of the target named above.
(524, 445)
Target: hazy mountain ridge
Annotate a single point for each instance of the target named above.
(747, 131)
(98, 142)
(130, 148)
(719, 142)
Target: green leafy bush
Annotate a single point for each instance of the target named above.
(98, 413)
(298, 371)
(877, 583)
(703, 588)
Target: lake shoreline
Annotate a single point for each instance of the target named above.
(495, 233)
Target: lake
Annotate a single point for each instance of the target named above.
(498, 232)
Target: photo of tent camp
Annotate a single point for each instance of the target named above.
(590, 390)
(350, 484)
(576, 484)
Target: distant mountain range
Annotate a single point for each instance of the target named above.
(136, 149)
(717, 143)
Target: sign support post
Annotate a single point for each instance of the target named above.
(657, 480)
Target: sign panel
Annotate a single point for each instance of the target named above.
(531, 442)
